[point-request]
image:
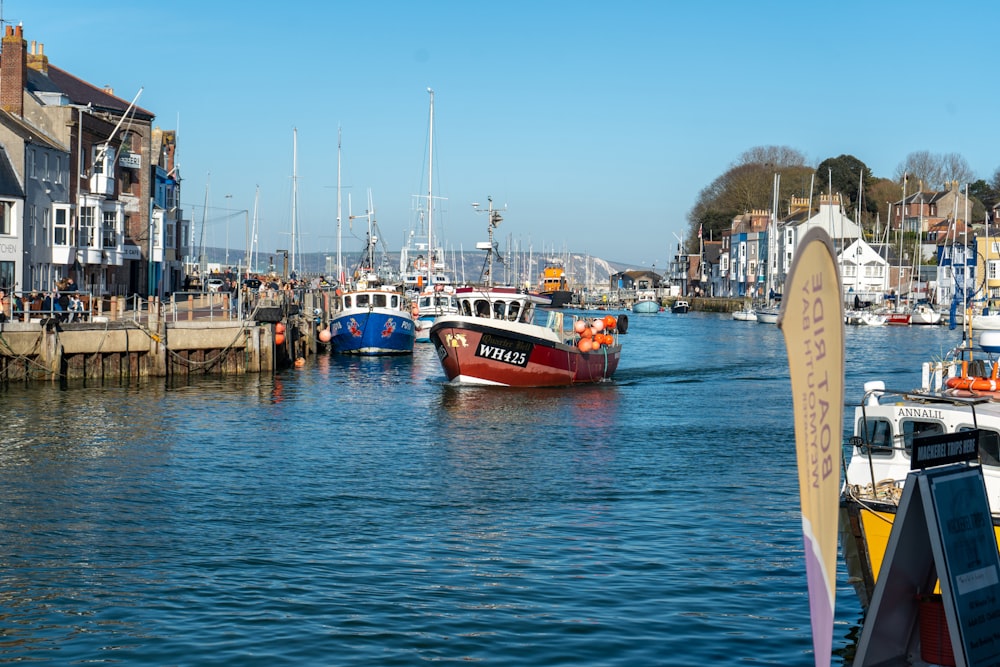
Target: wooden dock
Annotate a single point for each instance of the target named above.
(195, 336)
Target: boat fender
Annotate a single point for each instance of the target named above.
(623, 324)
(414, 309)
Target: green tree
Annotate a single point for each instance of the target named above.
(850, 177)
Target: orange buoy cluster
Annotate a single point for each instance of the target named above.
(279, 333)
(596, 334)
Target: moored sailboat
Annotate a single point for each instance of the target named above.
(425, 279)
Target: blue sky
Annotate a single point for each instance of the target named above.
(596, 124)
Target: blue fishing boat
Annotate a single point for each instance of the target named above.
(373, 317)
(373, 320)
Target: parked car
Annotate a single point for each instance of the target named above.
(214, 284)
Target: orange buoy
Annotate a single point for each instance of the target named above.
(279, 339)
(587, 333)
(598, 325)
(610, 322)
(300, 362)
(585, 345)
(579, 326)
(279, 327)
(597, 342)
(325, 336)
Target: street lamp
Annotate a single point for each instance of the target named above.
(284, 271)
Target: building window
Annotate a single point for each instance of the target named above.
(5, 218)
(61, 229)
(87, 226)
(7, 275)
(46, 222)
(108, 235)
(58, 178)
(30, 167)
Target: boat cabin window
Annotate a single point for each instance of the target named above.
(347, 302)
(499, 309)
(515, 308)
(378, 300)
(878, 436)
(466, 308)
(394, 301)
(919, 429)
(989, 446)
(424, 302)
(482, 308)
(361, 300)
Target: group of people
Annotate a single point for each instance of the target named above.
(66, 307)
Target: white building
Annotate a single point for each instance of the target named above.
(864, 273)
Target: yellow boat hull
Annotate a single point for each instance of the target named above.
(864, 537)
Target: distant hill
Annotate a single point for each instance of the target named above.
(581, 269)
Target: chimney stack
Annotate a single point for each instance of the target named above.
(13, 70)
(37, 60)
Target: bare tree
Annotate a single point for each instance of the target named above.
(933, 170)
(956, 168)
(774, 157)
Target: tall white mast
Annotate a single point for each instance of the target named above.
(202, 260)
(254, 247)
(295, 192)
(340, 265)
(430, 195)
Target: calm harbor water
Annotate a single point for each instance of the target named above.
(361, 512)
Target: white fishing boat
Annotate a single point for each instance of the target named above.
(956, 395)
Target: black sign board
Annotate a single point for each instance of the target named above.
(942, 534)
(507, 350)
(937, 450)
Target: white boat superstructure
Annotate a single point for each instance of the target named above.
(954, 397)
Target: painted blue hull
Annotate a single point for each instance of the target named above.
(372, 332)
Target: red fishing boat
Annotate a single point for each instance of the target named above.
(493, 340)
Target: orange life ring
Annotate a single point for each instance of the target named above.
(973, 383)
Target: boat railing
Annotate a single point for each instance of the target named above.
(555, 322)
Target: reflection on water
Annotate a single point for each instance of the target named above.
(364, 503)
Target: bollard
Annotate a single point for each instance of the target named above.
(190, 307)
